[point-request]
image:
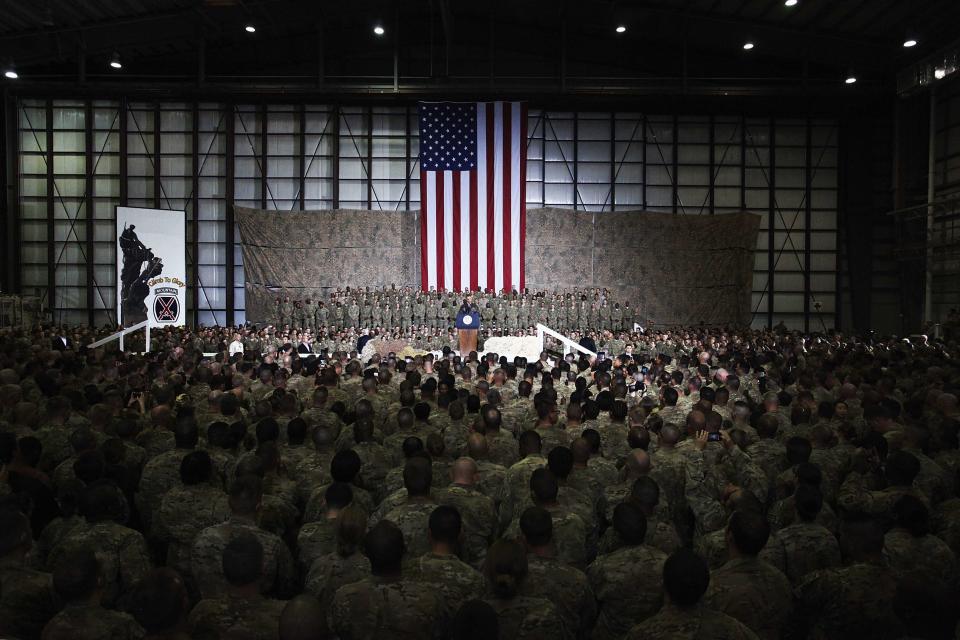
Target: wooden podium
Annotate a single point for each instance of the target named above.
(467, 326)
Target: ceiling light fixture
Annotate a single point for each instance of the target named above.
(378, 30)
(250, 28)
(11, 72)
(747, 46)
(850, 79)
(621, 28)
(115, 61)
(939, 73)
(790, 3)
(909, 42)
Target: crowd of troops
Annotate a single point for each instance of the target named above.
(697, 484)
(407, 309)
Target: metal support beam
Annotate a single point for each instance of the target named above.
(51, 200)
(743, 162)
(643, 160)
(229, 195)
(931, 196)
(407, 162)
(302, 152)
(89, 194)
(195, 211)
(807, 222)
(613, 161)
(157, 184)
(771, 224)
(573, 160)
(11, 267)
(368, 116)
(713, 166)
(124, 191)
(262, 128)
(676, 163)
(335, 163)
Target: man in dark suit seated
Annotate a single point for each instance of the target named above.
(60, 342)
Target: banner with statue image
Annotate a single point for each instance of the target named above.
(151, 266)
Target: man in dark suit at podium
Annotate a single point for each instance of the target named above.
(468, 322)
(468, 306)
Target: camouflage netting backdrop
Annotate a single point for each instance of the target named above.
(675, 269)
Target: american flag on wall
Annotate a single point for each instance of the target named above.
(473, 174)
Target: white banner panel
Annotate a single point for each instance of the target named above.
(151, 266)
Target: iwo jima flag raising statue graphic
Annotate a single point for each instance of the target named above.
(151, 266)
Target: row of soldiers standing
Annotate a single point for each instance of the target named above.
(571, 310)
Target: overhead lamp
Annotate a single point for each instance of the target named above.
(850, 79)
(747, 46)
(909, 42)
(250, 28)
(621, 28)
(378, 29)
(115, 61)
(790, 3)
(11, 72)
(939, 73)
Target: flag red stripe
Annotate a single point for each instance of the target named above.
(474, 258)
(424, 276)
(440, 214)
(523, 196)
(507, 193)
(456, 230)
(491, 273)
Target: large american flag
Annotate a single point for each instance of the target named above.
(473, 171)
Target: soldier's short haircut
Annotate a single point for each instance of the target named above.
(686, 577)
(536, 524)
(475, 620)
(593, 437)
(82, 439)
(456, 410)
(435, 445)
(543, 408)
(491, 418)
(267, 430)
(14, 530)
(808, 501)
(245, 494)
(860, 537)
(544, 486)
(445, 525)
(638, 438)
(218, 435)
(195, 468)
(670, 396)
(363, 409)
(338, 495)
(901, 468)
(911, 514)
(411, 445)
(90, 466)
(417, 476)
(185, 434)
(320, 395)
(384, 547)
(630, 523)
(102, 501)
(421, 411)
(646, 491)
(798, 450)
(363, 430)
(750, 531)
(296, 431)
(77, 575)
(530, 443)
(345, 466)
(560, 462)
(242, 560)
(768, 425)
(229, 404)
(473, 403)
(405, 419)
(159, 601)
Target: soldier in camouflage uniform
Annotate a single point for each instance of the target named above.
(27, 598)
(683, 617)
(419, 311)
(478, 511)
(388, 604)
(241, 606)
(805, 545)
(568, 588)
(83, 617)
(353, 314)
(206, 555)
(628, 582)
(412, 516)
(519, 616)
(321, 317)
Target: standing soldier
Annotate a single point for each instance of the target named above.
(376, 312)
(616, 317)
(513, 316)
(431, 311)
(627, 317)
(286, 312)
(387, 315)
(277, 311)
(298, 314)
(366, 310)
(406, 312)
(353, 313)
(338, 316)
(553, 318)
(523, 314)
(419, 311)
(583, 314)
(320, 317)
(487, 315)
